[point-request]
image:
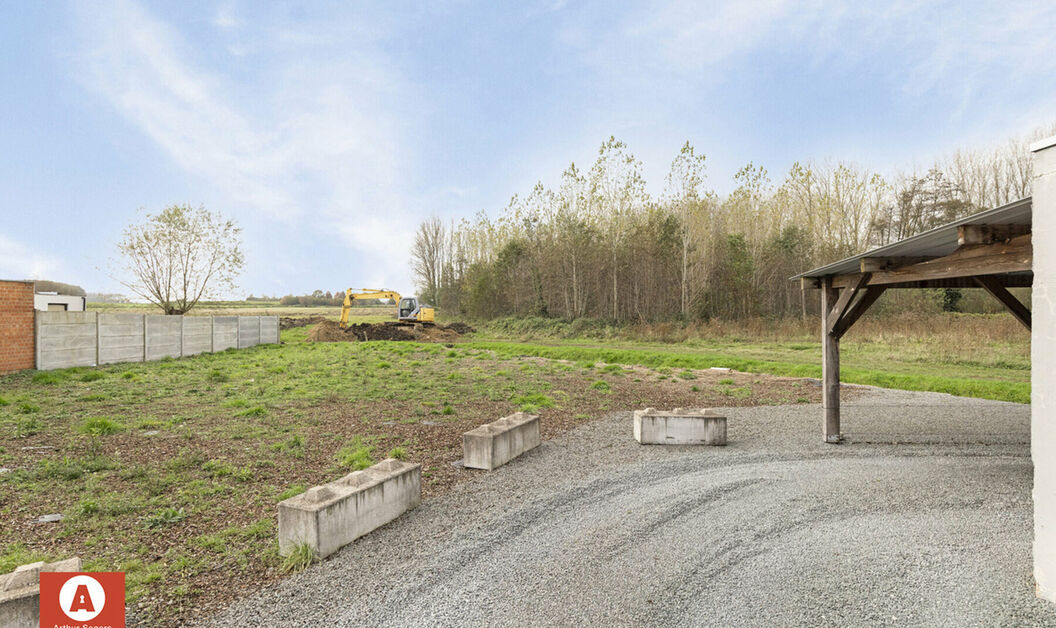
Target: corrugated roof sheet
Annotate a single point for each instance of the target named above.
(937, 242)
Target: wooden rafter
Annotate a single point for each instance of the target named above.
(1014, 256)
(989, 234)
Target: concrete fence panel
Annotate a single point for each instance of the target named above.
(248, 331)
(225, 332)
(197, 335)
(269, 329)
(120, 338)
(162, 335)
(66, 339)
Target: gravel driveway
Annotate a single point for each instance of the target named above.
(925, 519)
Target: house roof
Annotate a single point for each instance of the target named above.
(937, 242)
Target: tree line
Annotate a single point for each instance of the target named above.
(598, 245)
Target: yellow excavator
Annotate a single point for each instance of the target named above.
(408, 309)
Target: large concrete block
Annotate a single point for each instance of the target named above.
(248, 331)
(197, 335)
(163, 336)
(225, 332)
(680, 426)
(332, 515)
(120, 338)
(66, 339)
(20, 592)
(269, 330)
(494, 444)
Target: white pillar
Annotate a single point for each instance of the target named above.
(1043, 367)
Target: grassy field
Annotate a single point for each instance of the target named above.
(170, 471)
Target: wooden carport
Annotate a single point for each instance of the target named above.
(990, 250)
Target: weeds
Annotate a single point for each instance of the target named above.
(300, 557)
(100, 426)
(165, 517)
(355, 456)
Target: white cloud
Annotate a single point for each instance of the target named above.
(18, 261)
(315, 139)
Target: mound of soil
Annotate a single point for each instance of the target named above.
(289, 322)
(330, 331)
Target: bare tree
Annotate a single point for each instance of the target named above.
(182, 255)
(428, 255)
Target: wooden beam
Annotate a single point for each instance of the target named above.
(999, 292)
(872, 293)
(806, 283)
(989, 234)
(830, 366)
(1014, 256)
(845, 301)
(879, 264)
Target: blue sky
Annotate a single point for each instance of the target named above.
(329, 130)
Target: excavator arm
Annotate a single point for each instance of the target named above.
(365, 293)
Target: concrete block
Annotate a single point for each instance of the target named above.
(163, 336)
(680, 426)
(269, 330)
(66, 339)
(197, 335)
(225, 332)
(120, 338)
(20, 592)
(494, 444)
(248, 331)
(332, 515)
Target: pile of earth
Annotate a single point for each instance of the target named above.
(330, 331)
(289, 322)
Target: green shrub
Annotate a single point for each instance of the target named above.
(533, 402)
(28, 408)
(399, 453)
(4, 402)
(27, 426)
(100, 426)
(165, 517)
(254, 411)
(601, 385)
(93, 376)
(356, 455)
(48, 378)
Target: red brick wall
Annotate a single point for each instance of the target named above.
(17, 350)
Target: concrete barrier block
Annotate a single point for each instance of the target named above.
(66, 339)
(332, 515)
(20, 592)
(248, 331)
(120, 338)
(225, 332)
(197, 335)
(680, 426)
(163, 336)
(494, 444)
(269, 330)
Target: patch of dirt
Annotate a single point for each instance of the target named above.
(289, 322)
(330, 331)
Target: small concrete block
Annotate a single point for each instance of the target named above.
(332, 515)
(53, 518)
(20, 592)
(681, 426)
(494, 444)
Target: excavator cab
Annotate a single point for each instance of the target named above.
(410, 310)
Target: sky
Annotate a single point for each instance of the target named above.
(329, 130)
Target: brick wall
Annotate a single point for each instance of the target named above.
(16, 326)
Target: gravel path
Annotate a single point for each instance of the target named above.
(774, 529)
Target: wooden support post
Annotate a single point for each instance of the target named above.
(830, 368)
